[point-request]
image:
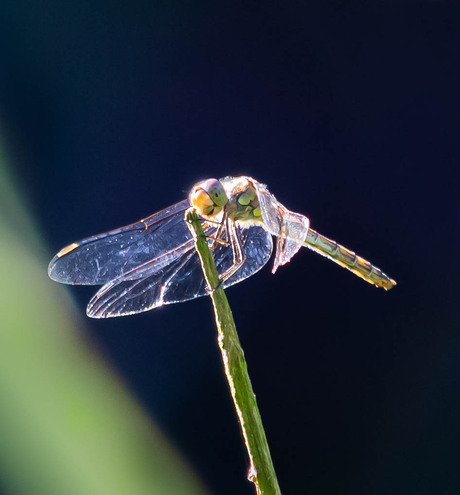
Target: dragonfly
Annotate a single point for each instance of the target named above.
(153, 262)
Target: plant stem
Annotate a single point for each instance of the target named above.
(261, 470)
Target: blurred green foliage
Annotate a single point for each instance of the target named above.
(67, 424)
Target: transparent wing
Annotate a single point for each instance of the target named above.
(290, 228)
(157, 283)
(104, 257)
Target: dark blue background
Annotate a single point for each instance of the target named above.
(349, 111)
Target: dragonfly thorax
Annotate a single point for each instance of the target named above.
(243, 201)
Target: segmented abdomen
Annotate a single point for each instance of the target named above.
(348, 259)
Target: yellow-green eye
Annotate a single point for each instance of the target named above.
(208, 197)
(216, 192)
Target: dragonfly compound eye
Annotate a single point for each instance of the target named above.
(208, 197)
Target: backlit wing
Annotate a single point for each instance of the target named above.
(158, 282)
(290, 228)
(104, 257)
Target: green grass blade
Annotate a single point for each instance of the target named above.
(68, 425)
(261, 470)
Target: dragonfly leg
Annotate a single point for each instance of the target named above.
(238, 253)
(207, 220)
(217, 239)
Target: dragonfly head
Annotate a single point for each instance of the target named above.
(208, 197)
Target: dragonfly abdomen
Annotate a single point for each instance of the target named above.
(348, 259)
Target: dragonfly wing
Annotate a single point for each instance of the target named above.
(104, 257)
(189, 283)
(128, 295)
(158, 283)
(290, 228)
